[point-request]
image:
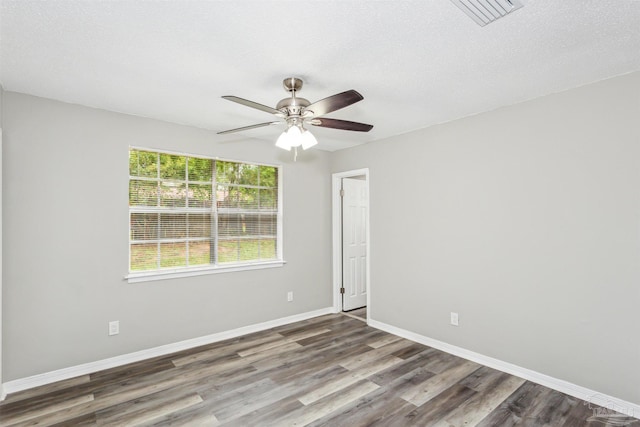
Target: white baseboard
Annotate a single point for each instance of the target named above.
(592, 396)
(91, 367)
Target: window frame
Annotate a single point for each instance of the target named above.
(179, 272)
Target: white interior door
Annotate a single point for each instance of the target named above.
(354, 243)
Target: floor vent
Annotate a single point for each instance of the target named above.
(484, 12)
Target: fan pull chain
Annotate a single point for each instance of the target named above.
(295, 154)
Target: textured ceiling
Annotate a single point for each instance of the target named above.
(417, 63)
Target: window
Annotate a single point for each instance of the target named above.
(191, 213)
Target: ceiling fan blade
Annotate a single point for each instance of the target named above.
(259, 125)
(341, 124)
(254, 105)
(334, 102)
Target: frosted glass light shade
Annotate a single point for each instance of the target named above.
(283, 141)
(294, 135)
(308, 140)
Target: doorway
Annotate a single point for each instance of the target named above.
(351, 242)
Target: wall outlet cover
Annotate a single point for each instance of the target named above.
(114, 327)
(454, 318)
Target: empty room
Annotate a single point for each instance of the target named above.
(320, 213)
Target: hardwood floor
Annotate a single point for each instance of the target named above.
(332, 370)
(358, 313)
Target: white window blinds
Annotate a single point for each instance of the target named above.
(188, 211)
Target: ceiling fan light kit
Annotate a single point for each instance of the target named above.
(294, 137)
(296, 112)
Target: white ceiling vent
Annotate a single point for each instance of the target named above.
(484, 12)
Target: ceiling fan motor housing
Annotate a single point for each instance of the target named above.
(292, 106)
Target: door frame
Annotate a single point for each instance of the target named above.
(336, 185)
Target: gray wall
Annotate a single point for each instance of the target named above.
(66, 240)
(524, 220)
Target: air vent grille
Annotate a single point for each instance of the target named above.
(484, 12)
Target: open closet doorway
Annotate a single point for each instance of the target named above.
(351, 243)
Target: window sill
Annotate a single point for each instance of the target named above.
(199, 271)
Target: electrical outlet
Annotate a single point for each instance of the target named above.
(290, 296)
(454, 318)
(114, 327)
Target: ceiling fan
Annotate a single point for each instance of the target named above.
(298, 112)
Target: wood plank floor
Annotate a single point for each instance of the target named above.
(358, 313)
(332, 370)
